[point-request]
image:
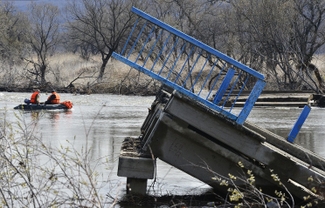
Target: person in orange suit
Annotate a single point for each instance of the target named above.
(54, 98)
(35, 97)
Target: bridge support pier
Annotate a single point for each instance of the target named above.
(136, 186)
(136, 166)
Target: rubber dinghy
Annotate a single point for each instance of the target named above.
(61, 106)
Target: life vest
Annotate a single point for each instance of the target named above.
(33, 98)
(68, 104)
(57, 98)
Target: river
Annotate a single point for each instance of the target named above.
(100, 122)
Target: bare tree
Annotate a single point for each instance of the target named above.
(282, 41)
(262, 35)
(309, 37)
(101, 24)
(12, 33)
(43, 36)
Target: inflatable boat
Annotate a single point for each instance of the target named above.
(61, 106)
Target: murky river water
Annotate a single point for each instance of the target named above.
(101, 122)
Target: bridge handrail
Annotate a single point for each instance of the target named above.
(197, 43)
(228, 67)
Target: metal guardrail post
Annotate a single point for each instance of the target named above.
(300, 121)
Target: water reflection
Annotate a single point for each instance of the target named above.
(35, 115)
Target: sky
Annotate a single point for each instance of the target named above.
(22, 4)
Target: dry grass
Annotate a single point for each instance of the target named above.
(68, 68)
(118, 78)
(117, 74)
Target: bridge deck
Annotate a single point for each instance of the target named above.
(208, 146)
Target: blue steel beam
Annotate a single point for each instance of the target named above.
(297, 126)
(230, 74)
(249, 104)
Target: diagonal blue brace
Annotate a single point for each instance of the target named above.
(296, 128)
(230, 74)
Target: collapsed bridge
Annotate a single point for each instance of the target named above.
(191, 127)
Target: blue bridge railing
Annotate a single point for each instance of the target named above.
(190, 67)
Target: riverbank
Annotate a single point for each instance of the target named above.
(267, 98)
(84, 90)
(69, 73)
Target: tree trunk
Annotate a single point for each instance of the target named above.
(42, 70)
(105, 59)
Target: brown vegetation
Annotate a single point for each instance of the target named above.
(70, 73)
(283, 43)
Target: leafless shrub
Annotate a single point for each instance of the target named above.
(34, 174)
